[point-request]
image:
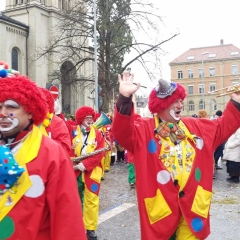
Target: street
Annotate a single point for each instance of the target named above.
(119, 220)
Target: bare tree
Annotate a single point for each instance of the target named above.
(119, 24)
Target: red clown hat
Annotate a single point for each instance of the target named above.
(48, 98)
(82, 112)
(26, 93)
(165, 94)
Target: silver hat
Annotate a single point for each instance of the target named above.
(165, 88)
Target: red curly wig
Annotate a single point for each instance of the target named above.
(26, 93)
(48, 98)
(97, 115)
(157, 105)
(82, 112)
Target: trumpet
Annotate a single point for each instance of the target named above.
(226, 90)
(77, 160)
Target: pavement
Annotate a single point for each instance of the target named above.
(119, 218)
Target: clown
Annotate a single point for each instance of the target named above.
(39, 204)
(173, 159)
(54, 126)
(87, 139)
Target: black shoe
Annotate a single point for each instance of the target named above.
(91, 235)
(218, 168)
(132, 185)
(229, 179)
(106, 171)
(235, 179)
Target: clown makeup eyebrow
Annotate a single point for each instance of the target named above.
(11, 103)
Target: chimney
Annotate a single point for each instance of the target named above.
(221, 42)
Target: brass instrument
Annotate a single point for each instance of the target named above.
(101, 121)
(228, 90)
(77, 160)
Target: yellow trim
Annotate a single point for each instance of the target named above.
(46, 122)
(27, 152)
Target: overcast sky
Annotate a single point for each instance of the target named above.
(200, 23)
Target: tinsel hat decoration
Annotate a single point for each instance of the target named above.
(6, 72)
(10, 171)
(166, 93)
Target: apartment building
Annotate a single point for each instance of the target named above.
(203, 70)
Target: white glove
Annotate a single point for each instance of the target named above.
(80, 167)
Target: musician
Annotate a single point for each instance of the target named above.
(54, 126)
(86, 140)
(172, 159)
(38, 190)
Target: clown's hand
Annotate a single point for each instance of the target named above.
(126, 86)
(80, 167)
(235, 95)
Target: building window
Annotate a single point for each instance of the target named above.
(180, 74)
(201, 105)
(234, 53)
(212, 87)
(212, 71)
(190, 57)
(235, 83)
(15, 59)
(234, 69)
(200, 72)
(190, 89)
(212, 55)
(213, 105)
(191, 106)
(190, 73)
(201, 88)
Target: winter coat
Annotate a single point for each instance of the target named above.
(232, 148)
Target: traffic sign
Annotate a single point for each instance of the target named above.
(54, 91)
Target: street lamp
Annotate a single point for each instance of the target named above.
(95, 56)
(203, 80)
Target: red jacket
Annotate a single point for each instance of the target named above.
(164, 204)
(56, 204)
(58, 131)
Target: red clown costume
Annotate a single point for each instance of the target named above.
(173, 164)
(87, 139)
(54, 126)
(43, 203)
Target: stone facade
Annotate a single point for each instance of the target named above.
(30, 26)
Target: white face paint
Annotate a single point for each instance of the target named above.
(172, 113)
(87, 121)
(5, 121)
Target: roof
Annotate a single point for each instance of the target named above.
(212, 53)
(11, 20)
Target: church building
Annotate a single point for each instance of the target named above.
(27, 29)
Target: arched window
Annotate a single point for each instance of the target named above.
(201, 105)
(15, 59)
(213, 105)
(191, 106)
